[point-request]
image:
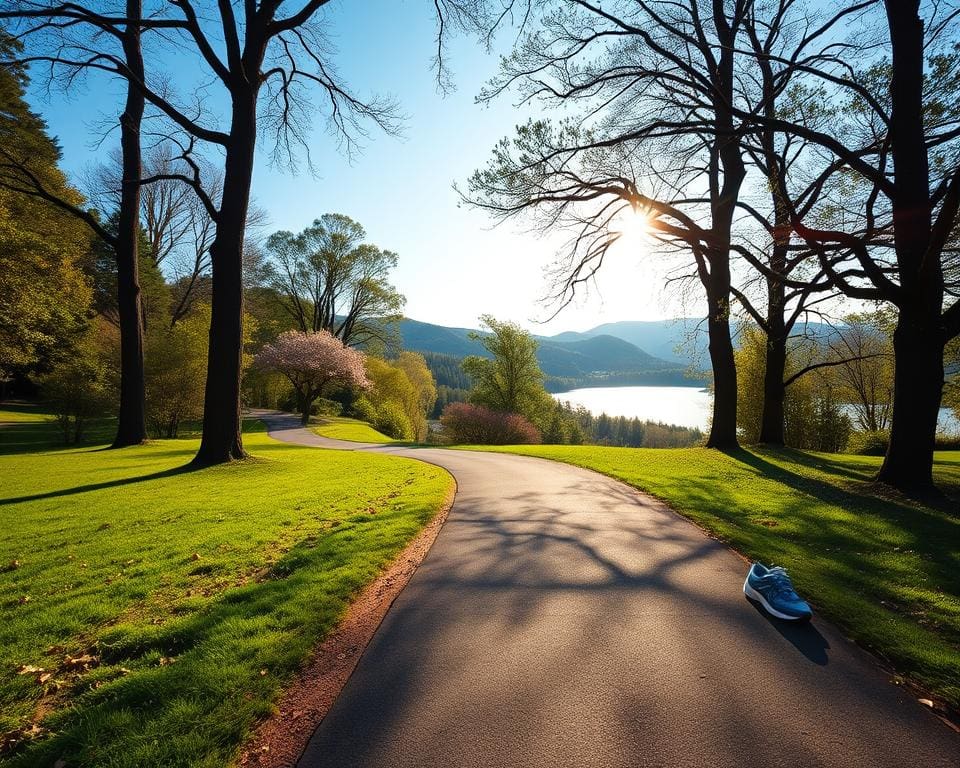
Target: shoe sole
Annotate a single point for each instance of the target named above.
(752, 594)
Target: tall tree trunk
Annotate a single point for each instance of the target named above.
(918, 385)
(774, 392)
(774, 373)
(726, 162)
(723, 424)
(222, 440)
(919, 337)
(131, 427)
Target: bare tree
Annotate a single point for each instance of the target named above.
(866, 374)
(895, 156)
(652, 86)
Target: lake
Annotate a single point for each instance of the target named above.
(685, 406)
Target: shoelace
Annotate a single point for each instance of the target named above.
(781, 582)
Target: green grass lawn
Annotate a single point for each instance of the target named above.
(886, 570)
(342, 428)
(150, 615)
(22, 413)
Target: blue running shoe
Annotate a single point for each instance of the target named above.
(771, 587)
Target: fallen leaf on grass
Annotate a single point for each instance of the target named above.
(27, 669)
(11, 739)
(81, 662)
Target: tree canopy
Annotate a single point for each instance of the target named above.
(44, 294)
(328, 279)
(510, 380)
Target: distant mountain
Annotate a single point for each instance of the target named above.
(602, 353)
(681, 342)
(582, 360)
(426, 337)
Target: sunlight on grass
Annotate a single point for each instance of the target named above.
(886, 570)
(166, 607)
(342, 428)
(26, 413)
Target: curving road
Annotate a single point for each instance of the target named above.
(564, 619)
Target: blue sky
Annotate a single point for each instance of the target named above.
(453, 264)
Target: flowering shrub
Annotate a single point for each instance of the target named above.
(467, 423)
(312, 362)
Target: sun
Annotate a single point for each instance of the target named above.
(632, 228)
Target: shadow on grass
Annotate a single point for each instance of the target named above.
(43, 436)
(99, 486)
(897, 510)
(193, 686)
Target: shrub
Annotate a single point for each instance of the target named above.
(175, 373)
(868, 443)
(392, 421)
(947, 442)
(364, 410)
(468, 423)
(323, 406)
(77, 391)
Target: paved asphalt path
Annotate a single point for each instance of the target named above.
(564, 619)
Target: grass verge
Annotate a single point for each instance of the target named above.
(886, 570)
(151, 615)
(354, 430)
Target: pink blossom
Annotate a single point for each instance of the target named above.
(313, 361)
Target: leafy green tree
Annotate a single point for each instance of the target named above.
(814, 418)
(555, 433)
(750, 359)
(155, 294)
(419, 375)
(328, 279)
(44, 295)
(510, 380)
(394, 401)
(81, 387)
(176, 369)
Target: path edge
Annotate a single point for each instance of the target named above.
(281, 739)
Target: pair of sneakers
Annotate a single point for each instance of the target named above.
(772, 588)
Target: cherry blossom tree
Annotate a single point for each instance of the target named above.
(313, 362)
